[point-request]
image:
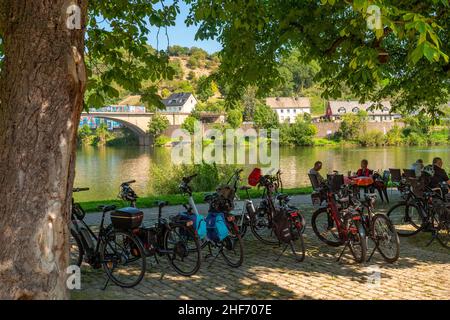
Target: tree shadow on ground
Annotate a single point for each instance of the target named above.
(261, 277)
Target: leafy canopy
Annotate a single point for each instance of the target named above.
(403, 55)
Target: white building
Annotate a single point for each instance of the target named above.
(336, 109)
(180, 103)
(288, 108)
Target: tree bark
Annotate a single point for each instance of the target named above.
(41, 96)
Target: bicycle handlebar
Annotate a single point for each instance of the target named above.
(80, 189)
(186, 180)
(128, 182)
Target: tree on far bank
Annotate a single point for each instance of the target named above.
(158, 124)
(265, 118)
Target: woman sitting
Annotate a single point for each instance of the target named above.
(364, 171)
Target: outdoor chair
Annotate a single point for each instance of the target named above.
(396, 177)
(409, 173)
(314, 181)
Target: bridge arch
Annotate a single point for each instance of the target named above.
(139, 128)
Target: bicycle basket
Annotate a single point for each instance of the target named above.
(223, 199)
(418, 186)
(335, 182)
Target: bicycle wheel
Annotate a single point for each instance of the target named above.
(407, 218)
(297, 245)
(242, 225)
(232, 249)
(442, 226)
(76, 249)
(123, 258)
(357, 241)
(182, 249)
(262, 229)
(325, 228)
(385, 237)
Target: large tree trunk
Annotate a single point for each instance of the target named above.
(41, 93)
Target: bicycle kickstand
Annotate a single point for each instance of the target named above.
(373, 252)
(433, 237)
(342, 253)
(214, 259)
(106, 284)
(282, 252)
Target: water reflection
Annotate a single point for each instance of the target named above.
(104, 168)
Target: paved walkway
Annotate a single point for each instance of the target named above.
(420, 273)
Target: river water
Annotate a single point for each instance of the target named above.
(102, 169)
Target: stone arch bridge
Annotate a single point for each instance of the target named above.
(138, 122)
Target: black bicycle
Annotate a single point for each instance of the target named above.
(423, 209)
(118, 252)
(265, 223)
(174, 238)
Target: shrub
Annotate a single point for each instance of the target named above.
(167, 180)
(161, 141)
(158, 124)
(301, 133)
(394, 137)
(372, 139)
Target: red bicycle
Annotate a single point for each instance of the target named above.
(338, 223)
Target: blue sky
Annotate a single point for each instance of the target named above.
(182, 35)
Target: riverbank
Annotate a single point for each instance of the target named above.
(179, 199)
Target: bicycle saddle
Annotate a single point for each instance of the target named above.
(106, 208)
(162, 204)
(283, 197)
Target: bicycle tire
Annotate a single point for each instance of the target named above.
(443, 233)
(392, 238)
(135, 249)
(335, 241)
(77, 241)
(301, 242)
(255, 228)
(362, 241)
(229, 243)
(394, 219)
(189, 233)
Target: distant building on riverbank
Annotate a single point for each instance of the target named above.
(336, 109)
(288, 108)
(183, 102)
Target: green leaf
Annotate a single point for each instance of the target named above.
(417, 54)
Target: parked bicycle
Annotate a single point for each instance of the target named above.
(282, 224)
(116, 250)
(423, 209)
(243, 211)
(222, 232)
(337, 223)
(378, 228)
(173, 238)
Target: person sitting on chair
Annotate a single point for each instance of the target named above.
(364, 171)
(440, 175)
(418, 167)
(315, 171)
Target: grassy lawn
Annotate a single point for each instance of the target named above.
(178, 199)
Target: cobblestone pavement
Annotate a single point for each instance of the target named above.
(421, 273)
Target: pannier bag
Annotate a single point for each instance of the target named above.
(216, 226)
(199, 223)
(127, 218)
(254, 177)
(282, 227)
